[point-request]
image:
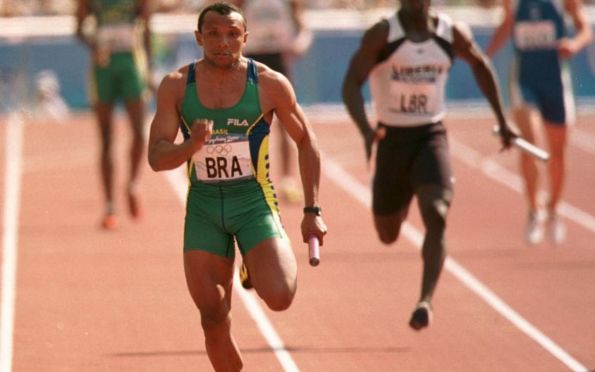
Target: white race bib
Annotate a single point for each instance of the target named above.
(535, 35)
(413, 98)
(224, 159)
(117, 38)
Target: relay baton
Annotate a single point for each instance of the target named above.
(314, 250)
(528, 147)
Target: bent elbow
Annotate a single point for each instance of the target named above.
(154, 167)
(346, 89)
(154, 164)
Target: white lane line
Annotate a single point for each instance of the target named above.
(179, 183)
(362, 194)
(12, 192)
(266, 327)
(511, 180)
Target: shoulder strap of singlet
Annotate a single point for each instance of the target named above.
(252, 72)
(396, 37)
(191, 75)
(189, 80)
(443, 34)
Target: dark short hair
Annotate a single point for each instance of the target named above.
(222, 8)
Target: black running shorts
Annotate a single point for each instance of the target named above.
(407, 158)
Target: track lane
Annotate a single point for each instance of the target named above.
(489, 226)
(118, 302)
(90, 300)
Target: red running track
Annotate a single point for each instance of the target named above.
(87, 300)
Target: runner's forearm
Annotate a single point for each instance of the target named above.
(354, 101)
(309, 161)
(486, 79)
(165, 155)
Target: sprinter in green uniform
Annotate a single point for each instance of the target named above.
(224, 105)
(117, 35)
(229, 175)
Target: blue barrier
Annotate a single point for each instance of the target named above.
(317, 76)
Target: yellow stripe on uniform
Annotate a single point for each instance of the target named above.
(266, 185)
(253, 124)
(254, 171)
(262, 176)
(92, 88)
(263, 179)
(191, 162)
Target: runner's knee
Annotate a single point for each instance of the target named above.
(213, 305)
(278, 296)
(213, 318)
(388, 227)
(433, 208)
(434, 215)
(388, 235)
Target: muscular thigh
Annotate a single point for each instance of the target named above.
(547, 90)
(406, 159)
(203, 228)
(102, 85)
(272, 263)
(131, 77)
(431, 165)
(209, 278)
(556, 104)
(391, 188)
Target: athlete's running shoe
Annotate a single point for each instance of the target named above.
(421, 316)
(245, 277)
(109, 222)
(535, 230)
(556, 229)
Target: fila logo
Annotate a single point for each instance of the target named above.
(237, 123)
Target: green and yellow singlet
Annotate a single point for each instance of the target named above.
(121, 70)
(238, 148)
(231, 194)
